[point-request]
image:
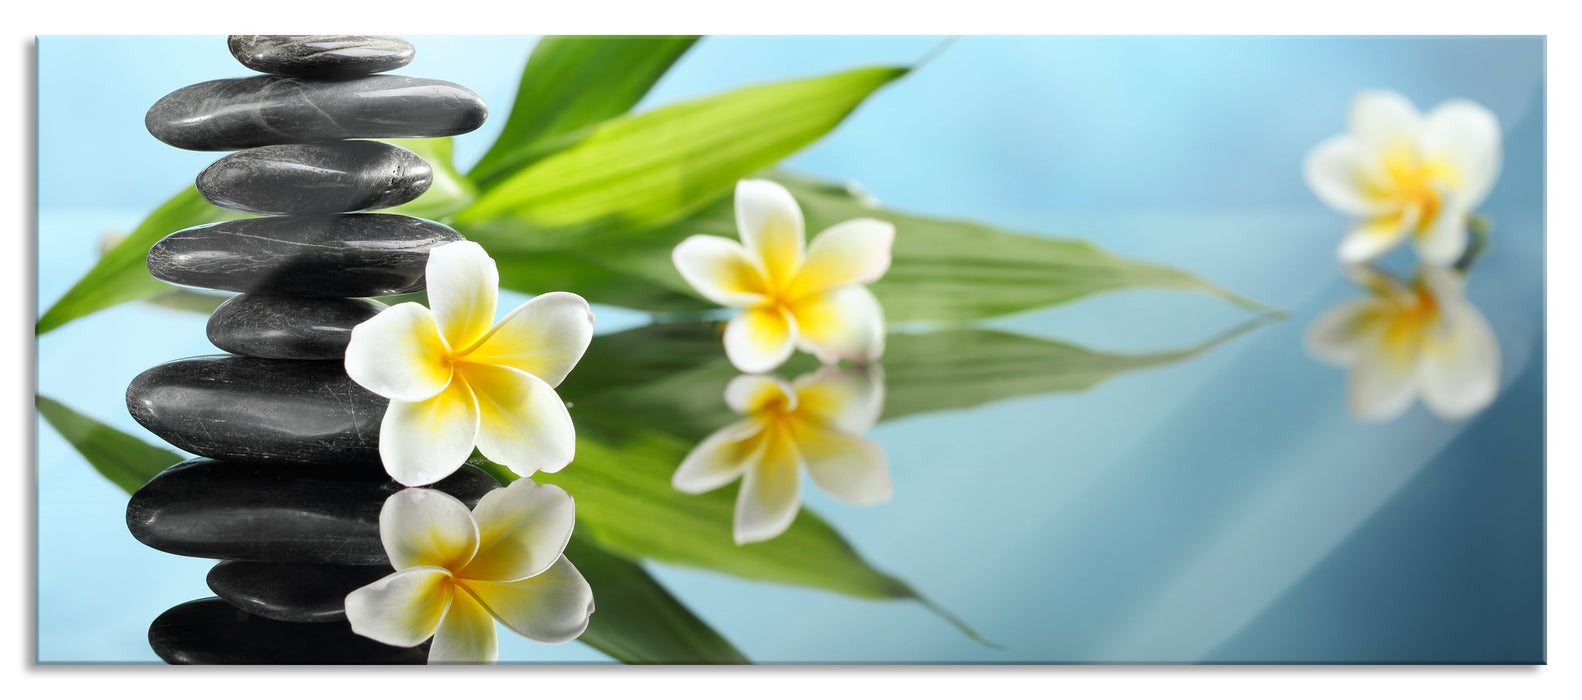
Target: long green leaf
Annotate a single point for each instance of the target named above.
(637, 621)
(942, 271)
(658, 166)
(450, 191)
(122, 274)
(573, 82)
(621, 479)
(122, 458)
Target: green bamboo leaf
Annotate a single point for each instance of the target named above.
(122, 274)
(571, 83)
(122, 458)
(450, 191)
(656, 167)
(621, 480)
(941, 271)
(637, 620)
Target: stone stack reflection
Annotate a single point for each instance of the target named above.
(288, 487)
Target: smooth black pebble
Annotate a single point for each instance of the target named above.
(211, 631)
(291, 592)
(288, 328)
(250, 408)
(316, 178)
(351, 255)
(320, 55)
(285, 513)
(236, 113)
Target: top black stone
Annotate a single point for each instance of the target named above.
(236, 113)
(320, 56)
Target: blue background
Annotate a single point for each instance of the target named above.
(1224, 509)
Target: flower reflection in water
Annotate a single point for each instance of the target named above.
(817, 421)
(1422, 338)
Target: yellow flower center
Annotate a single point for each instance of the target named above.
(1408, 325)
(1412, 181)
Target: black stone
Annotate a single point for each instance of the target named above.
(291, 592)
(235, 113)
(211, 631)
(320, 56)
(284, 513)
(316, 178)
(288, 328)
(250, 408)
(351, 255)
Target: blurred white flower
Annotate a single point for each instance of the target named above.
(818, 421)
(1420, 339)
(457, 571)
(1407, 175)
(792, 295)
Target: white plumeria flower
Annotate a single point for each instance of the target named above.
(457, 571)
(1405, 174)
(455, 382)
(791, 295)
(1423, 339)
(818, 421)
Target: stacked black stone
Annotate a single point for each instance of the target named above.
(289, 486)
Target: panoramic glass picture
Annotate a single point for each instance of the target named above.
(790, 350)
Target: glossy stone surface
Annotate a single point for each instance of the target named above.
(351, 255)
(291, 592)
(285, 513)
(288, 328)
(235, 113)
(320, 56)
(250, 408)
(316, 178)
(211, 631)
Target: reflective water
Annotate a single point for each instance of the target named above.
(1211, 506)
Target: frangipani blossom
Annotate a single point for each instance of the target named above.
(791, 295)
(457, 571)
(818, 421)
(1406, 174)
(1422, 339)
(456, 382)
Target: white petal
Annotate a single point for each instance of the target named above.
(424, 441)
(771, 491)
(1374, 237)
(1466, 137)
(719, 459)
(1445, 238)
(544, 337)
(1380, 388)
(1384, 120)
(552, 607)
(401, 609)
(760, 339)
(424, 527)
(851, 399)
(1337, 170)
(399, 354)
(842, 324)
(466, 633)
(463, 287)
(753, 393)
(1460, 369)
(851, 252)
(522, 529)
(721, 270)
(1445, 285)
(851, 468)
(522, 423)
(770, 223)
(1342, 333)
